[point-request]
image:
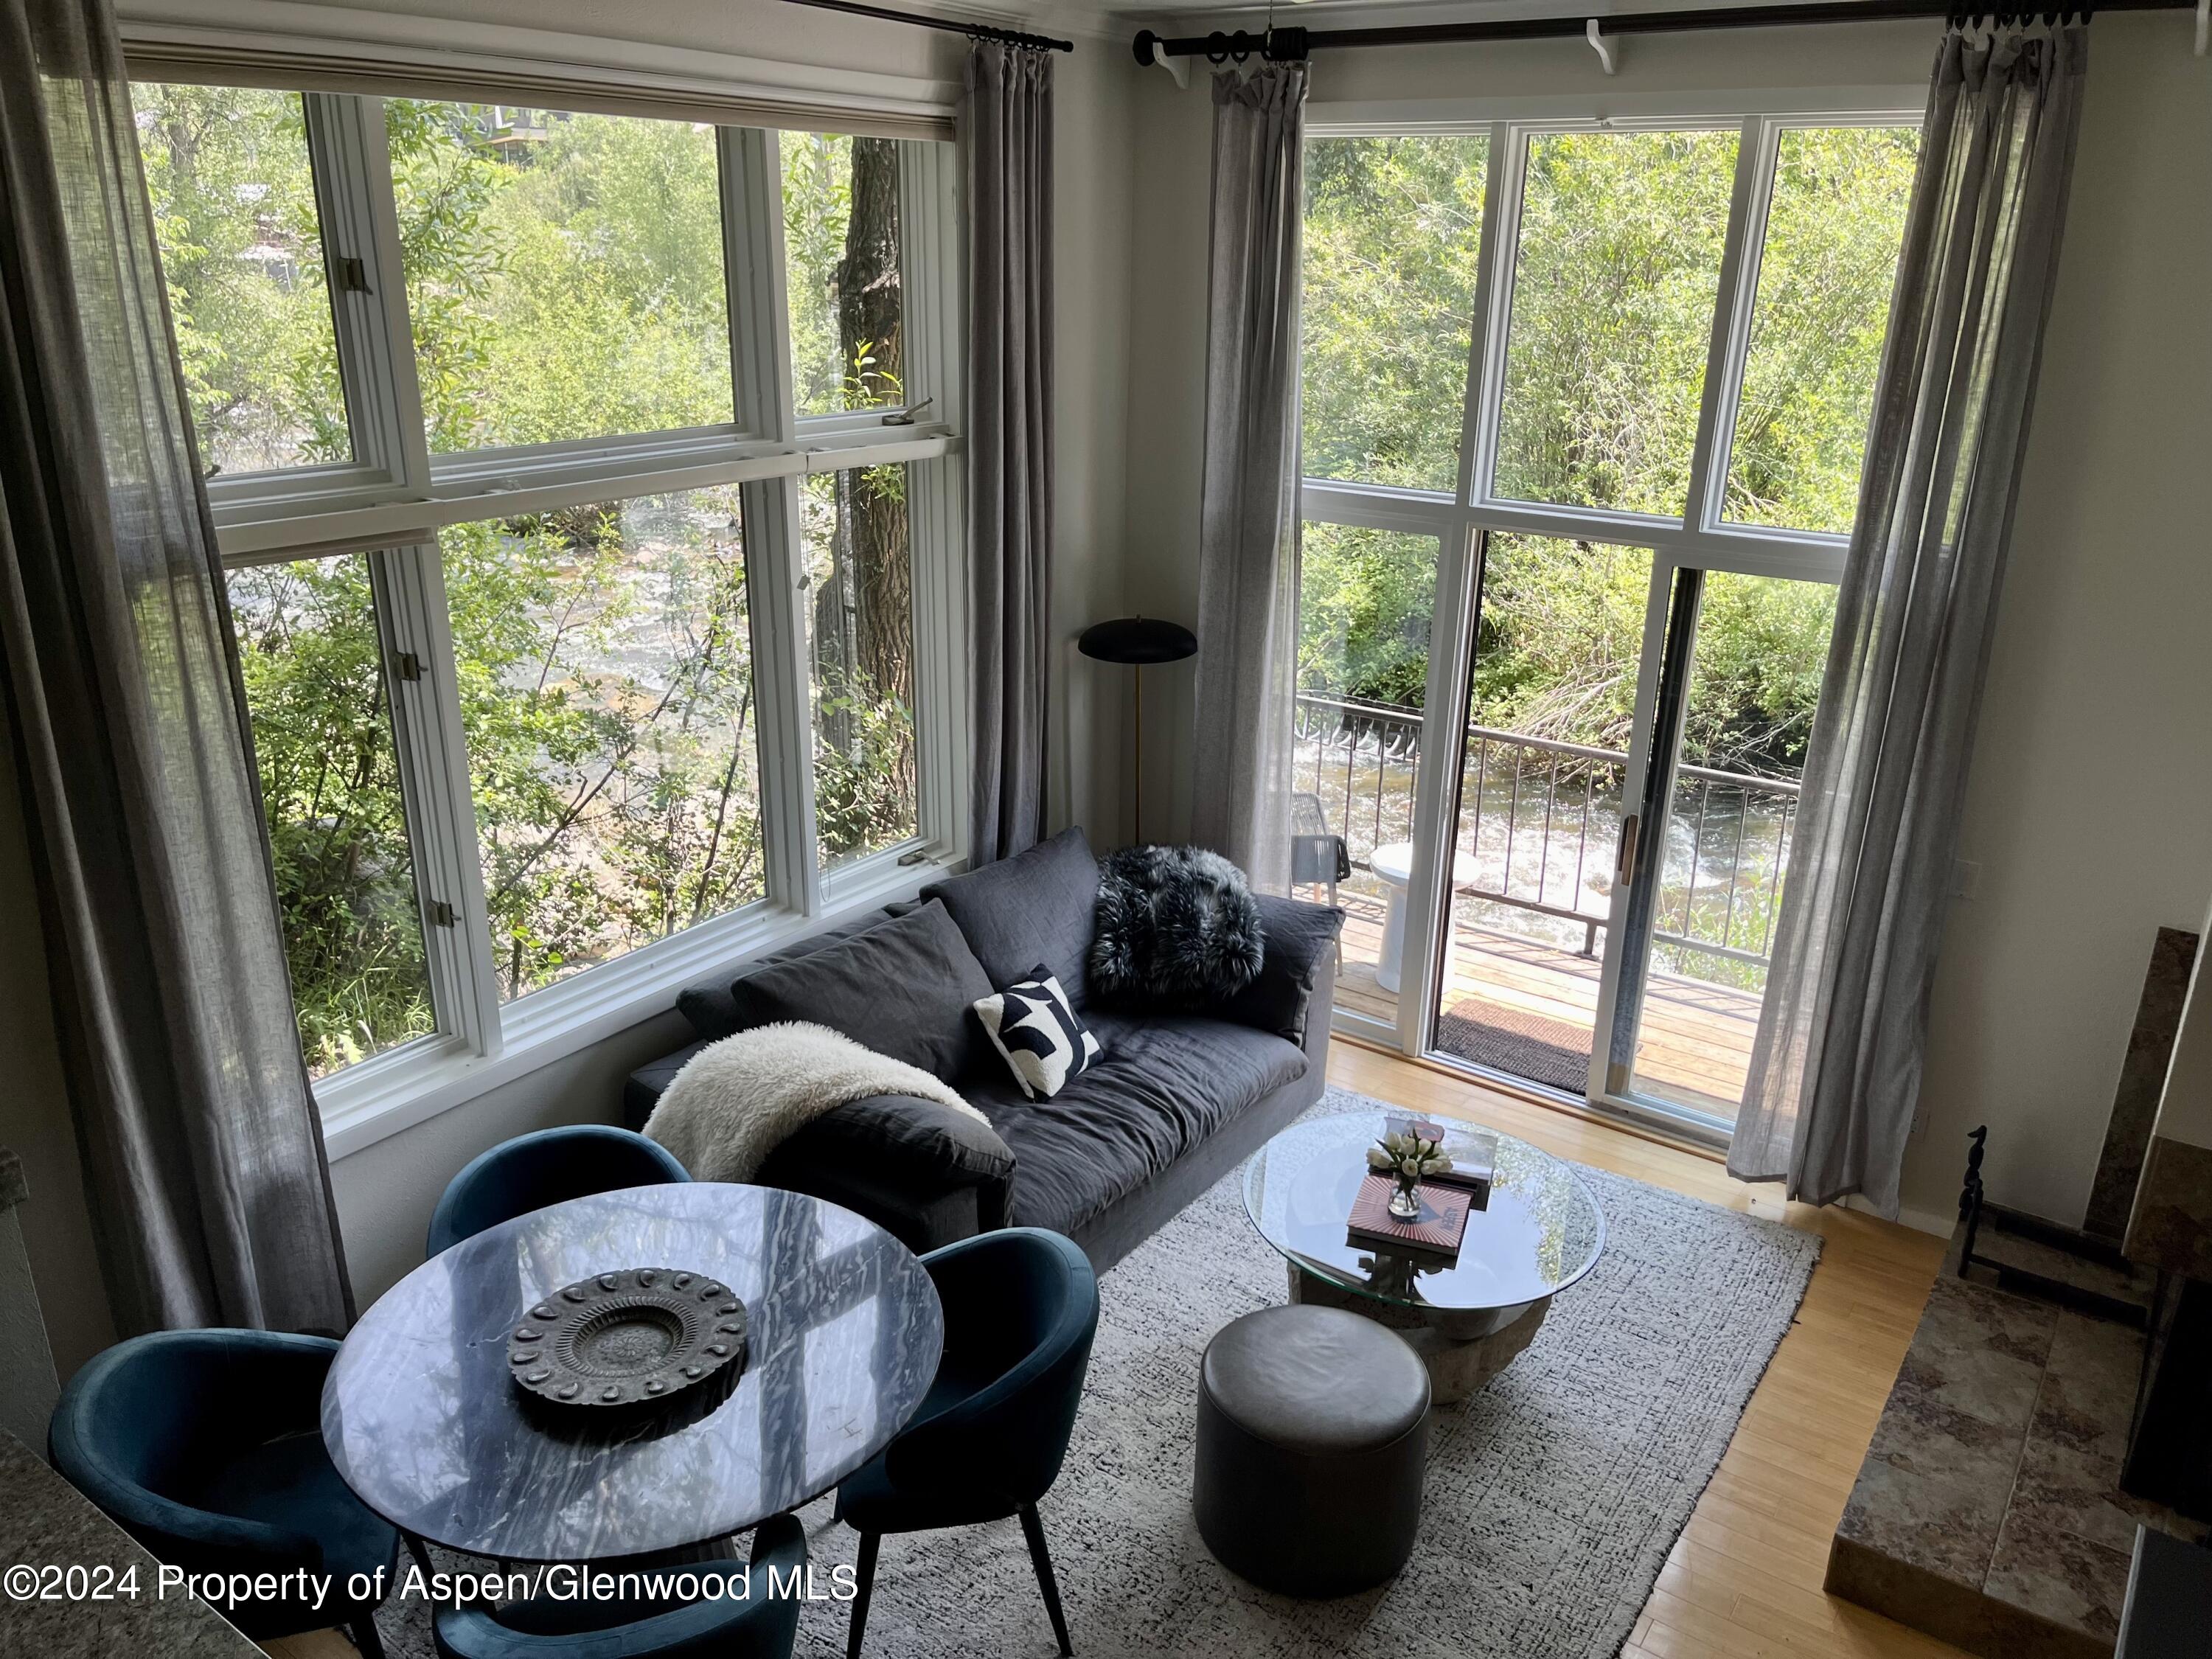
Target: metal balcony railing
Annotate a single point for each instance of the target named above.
(1539, 824)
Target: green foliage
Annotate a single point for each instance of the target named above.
(1392, 232)
(1364, 600)
(1816, 334)
(864, 737)
(564, 280)
(1614, 288)
(307, 646)
(817, 208)
(235, 215)
(1559, 638)
(607, 690)
(1614, 281)
(563, 286)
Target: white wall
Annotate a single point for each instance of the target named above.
(34, 1114)
(2090, 806)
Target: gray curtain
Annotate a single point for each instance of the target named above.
(202, 1154)
(1007, 125)
(1248, 547)
(1835, 1071)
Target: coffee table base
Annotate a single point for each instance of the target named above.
(1462, 1350)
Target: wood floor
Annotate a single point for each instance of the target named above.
(1694, 1045)
(1744, 1580)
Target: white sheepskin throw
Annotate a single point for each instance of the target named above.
(736, 1101)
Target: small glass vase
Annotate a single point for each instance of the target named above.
(1406, 1198)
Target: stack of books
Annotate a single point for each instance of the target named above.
(1447, 1198)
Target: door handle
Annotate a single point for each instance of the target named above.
(1626, 866)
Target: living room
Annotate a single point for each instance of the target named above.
(671, 525)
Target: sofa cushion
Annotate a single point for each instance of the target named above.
(1299, 938)
(712, 1010)
(1166, 1085)
(1034, 907)
(903, 988)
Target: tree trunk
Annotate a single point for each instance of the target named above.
(861, 620)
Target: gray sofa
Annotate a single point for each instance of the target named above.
(1180, 1099)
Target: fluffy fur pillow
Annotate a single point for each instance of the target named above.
(1176, 925)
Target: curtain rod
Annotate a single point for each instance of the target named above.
(1290, 44)
(922, 20)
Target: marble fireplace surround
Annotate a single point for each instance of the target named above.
(1988, 1512)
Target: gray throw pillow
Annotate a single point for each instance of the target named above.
(1034, 907)
(903, 988)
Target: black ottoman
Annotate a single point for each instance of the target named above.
(1313, 1427)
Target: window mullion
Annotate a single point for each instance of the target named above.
(931, 281)
(1486, 332)
(752, 252)
(775, 567)
(1506, 168)
(760, 357)
(1731, 336)
(360, 241)
(417, 636)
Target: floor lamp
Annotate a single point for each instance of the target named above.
(1138, 641)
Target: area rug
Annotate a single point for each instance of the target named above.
(1553, 1498)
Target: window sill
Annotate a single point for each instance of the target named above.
(384, 1096)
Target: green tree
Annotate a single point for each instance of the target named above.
(1615, 278)
(235, 215)
(1392, 234)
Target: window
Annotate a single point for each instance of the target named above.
(1614, 282)
(1584, 409)
(604, 659)
(1388, 296)
(564, 273)
(840, 231)
(338, 826)
(1824, 278)
(859, 592)
(581, 636)
(241, 246)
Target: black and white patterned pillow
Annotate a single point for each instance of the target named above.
(1034, 1029)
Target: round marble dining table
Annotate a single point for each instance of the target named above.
(428, 1427)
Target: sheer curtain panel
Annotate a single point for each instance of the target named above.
(203, 1153)
(1247, 547)
(1835, 1070)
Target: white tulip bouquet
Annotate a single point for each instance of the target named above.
(1406, 1157)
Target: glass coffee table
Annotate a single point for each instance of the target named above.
(1467, 1318)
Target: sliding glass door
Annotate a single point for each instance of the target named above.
(1584, 409)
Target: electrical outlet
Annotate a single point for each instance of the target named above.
(1966, 878)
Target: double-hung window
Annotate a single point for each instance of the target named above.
(584, 487)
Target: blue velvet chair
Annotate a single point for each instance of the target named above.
(550, 1167)
(761, 1624)
(207, 1447)
(1021, 1307)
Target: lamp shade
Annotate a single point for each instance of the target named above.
(1138, 640)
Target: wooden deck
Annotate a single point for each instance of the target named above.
(1695, 1045)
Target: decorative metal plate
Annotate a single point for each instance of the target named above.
(628, 1338)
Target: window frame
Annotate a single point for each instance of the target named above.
(1700, 538)
(390, 502)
